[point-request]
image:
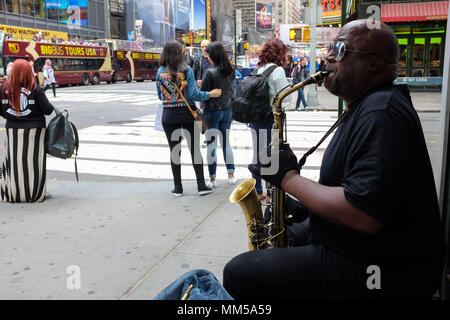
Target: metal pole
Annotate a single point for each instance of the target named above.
(235, 39)
(444, 155)
(343, 20)
(107, 20)
(312, 91)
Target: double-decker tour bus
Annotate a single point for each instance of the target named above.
(130, 61)
(73, 64)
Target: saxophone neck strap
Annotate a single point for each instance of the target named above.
(333, 127)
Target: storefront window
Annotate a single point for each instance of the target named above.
(12, 6)
(52, 14)
(26, 7)
(39, 8)
(435, 52)
(419, 52)
(403, 44)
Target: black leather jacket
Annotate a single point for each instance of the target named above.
(215, 80)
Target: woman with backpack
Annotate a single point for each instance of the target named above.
(272, 54)
(217, 111)
(176, 85)
(24, 106)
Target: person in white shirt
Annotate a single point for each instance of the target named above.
(49, 76)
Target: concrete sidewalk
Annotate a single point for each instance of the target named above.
(129, 240)
(423, 101)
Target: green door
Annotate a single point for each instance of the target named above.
(426, 56)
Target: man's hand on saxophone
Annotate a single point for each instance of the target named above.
(281, 162)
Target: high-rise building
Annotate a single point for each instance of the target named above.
(283, 11)
(83, 18)
(248, 8)
(117, 19)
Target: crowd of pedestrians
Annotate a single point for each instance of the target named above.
(211, 80)
(186, 86)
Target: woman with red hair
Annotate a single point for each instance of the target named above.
(24, 106)
(272, 59)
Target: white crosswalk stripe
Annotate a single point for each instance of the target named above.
(104, 97)
(137, 150)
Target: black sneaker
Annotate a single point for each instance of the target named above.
(177, 192)
(204, 190)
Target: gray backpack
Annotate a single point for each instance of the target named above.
(61, 138)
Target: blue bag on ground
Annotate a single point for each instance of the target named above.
(206, 287)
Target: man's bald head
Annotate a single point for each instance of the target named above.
(380, 41)
(371, 59)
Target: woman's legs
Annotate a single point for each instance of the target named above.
(173, 134)
(261, 135)
(54, 89)
(213, 118)
(193, 141)
(224, 127)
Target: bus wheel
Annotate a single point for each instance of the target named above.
(128, 77)
(85, 81)
(96, 79)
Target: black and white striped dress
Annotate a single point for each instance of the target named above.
(24, 166)
(23, 169)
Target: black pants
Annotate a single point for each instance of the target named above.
(313, 271)
(53, 88)
(174, 134)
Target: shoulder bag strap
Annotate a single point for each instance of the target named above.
(269, 70)
(194, 113)
(310, 151)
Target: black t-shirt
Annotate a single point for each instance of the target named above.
(34, 105)
(379, 156)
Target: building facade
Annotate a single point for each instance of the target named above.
(86, 19)
(117, 19)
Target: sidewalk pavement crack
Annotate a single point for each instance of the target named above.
(172, 251)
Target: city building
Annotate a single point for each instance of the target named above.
(117, 19)
(63, 18)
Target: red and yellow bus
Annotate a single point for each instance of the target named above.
(73, 64)
(131, 62)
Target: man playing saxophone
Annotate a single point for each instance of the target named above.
(373, 228)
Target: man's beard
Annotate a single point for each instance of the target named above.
(334, 85)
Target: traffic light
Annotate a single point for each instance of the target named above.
(299, 34)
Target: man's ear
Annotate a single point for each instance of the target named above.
(376, 64)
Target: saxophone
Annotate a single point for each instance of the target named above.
(262, 235)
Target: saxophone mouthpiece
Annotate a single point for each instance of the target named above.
(316, 77)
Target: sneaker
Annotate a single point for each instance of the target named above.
(232, 180)
(212, 184)
(306, 107)
(204, 190)
(298, 109)
(177, 192)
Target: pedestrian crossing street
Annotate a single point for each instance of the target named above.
(137, 98)
(137, 150)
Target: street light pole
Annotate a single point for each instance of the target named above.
(312, 92)
(343, 20)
